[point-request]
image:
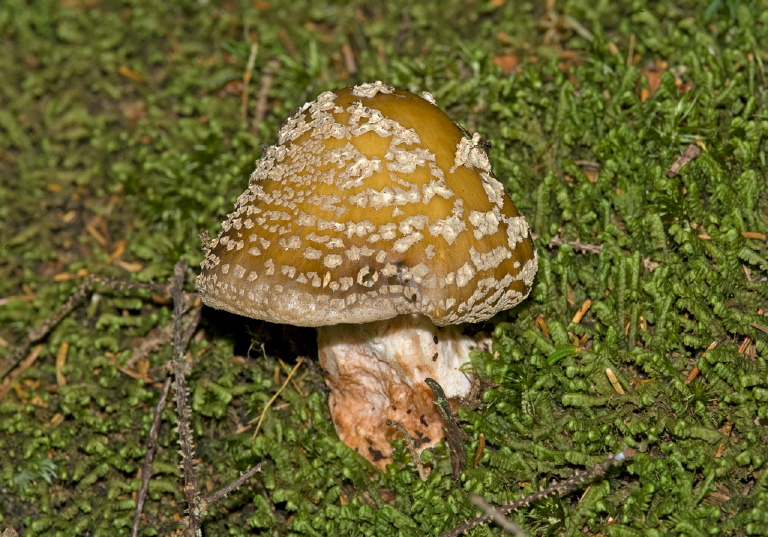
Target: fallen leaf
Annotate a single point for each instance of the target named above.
(507, 62)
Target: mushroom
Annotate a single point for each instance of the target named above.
(377, 220)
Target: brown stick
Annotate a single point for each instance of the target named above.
(76, 299)
(411, 446)
(691, 153)
(570, 484)
(497, 516)
(146, 471)
(182, 405)
(576, 245)
(221, 493)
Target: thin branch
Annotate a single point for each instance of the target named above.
(182, 405)
(194, 322)
(146, 471)
(232, 486)
(691, 153)
(576, 245)
(411, 446)
(76, 299)
(496, 516)
(564, 487)
(556, 240)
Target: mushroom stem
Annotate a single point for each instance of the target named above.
(376, 373)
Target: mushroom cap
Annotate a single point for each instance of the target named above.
(372, 204)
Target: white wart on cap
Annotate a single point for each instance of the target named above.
(373, 205)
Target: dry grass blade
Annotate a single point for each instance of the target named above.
(274, 397)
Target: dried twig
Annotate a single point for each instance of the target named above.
(146, 471)
(576, 245)
(453, 433)
(411, 446)
(691, 153)
(76, 299)
(182, 405)
(649, 265)
(570, 484)
(221, 493)
(496, 516)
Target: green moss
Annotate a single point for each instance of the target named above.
(121, 126)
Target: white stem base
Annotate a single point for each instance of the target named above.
(376, 373)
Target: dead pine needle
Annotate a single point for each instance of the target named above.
(631, 51)
(61, 361)
(695, 370)
(247, 75)
(480, 449)
(582, 311)
(274, 397)
(293, 381)
(26, 364)
(759, 327)
(614, 381)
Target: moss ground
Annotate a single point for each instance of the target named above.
(122, 137)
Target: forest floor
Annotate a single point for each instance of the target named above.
(128, 128)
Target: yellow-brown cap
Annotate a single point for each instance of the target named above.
(372, 204)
